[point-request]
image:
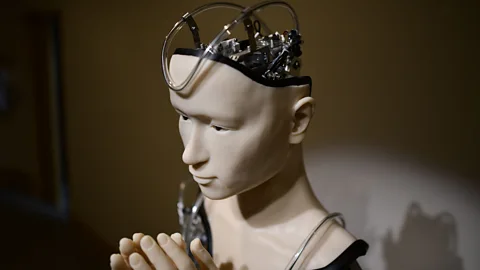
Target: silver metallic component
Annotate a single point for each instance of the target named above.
(193, 223)
(307, 240)
(274, 56)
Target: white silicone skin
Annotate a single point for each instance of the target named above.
(243, 146)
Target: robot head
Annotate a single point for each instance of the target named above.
(271, 59)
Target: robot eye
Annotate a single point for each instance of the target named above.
(218, 128)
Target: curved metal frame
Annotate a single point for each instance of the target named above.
(245, 13)
(307, 240)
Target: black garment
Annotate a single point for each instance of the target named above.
(348, 259)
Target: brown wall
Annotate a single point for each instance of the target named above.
(397, 76)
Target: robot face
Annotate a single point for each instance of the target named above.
(235, 131)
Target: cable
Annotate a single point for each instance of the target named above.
(211, 48)
(304, 244)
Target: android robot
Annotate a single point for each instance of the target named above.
(244, 111)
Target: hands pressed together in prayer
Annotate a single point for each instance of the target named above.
(142, 252)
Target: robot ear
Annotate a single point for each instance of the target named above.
(304, 110)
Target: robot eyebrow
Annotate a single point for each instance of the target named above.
(202, 117)
(228, 121)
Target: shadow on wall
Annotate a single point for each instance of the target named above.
(425, 242)
(338, 180)
(373, 192)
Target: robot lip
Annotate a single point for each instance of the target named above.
(203, 180)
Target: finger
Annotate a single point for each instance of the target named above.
(155, 254)
(118, 263)
(179, 240)
(138, 263)
(202, 256)
(176, 254)
(137, 237)
(127, 248)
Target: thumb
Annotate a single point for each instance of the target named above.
(202, 256)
